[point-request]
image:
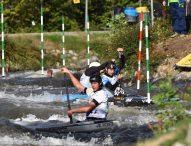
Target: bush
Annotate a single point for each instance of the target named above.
(160, 30)
(170, 111)
(125, 35)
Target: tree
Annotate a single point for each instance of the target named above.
(19, 14)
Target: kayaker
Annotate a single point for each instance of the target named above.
(97, 108)
(50, 73)
(111, 74)
(111, 77)
(94, 68)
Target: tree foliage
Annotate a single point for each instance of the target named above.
(125, 35)
(19, 14)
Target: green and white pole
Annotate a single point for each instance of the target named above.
(63, 41)
(88, 41)
(147, 57)
(42, 39)
(2, 40)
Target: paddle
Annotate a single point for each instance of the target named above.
(68, 99)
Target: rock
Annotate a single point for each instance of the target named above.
(94, 59)
(74, 58)
(188, 138)
(57, 64)
(178, 144)
(83, 62)
(166, 69)
(72, 53)
(182, 75)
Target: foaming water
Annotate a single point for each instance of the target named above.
(51, 141)
(132, 115)
(26, 104)
(26, 138)
(26, 118)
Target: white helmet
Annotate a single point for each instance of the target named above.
(94, 64)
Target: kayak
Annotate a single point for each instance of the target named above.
(56, 126)
(135, 98)
(83, 126)
(118, 100)
(63, 98)
(184, 64)
(129, 99)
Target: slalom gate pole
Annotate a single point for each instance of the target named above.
(152, 13)
(86, 14)
(147, 57)
(88, 41)
(42, 39)
(68, 98)
(140, 48)
(63, 41)
(2, 40)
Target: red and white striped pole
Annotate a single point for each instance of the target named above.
(140, 48)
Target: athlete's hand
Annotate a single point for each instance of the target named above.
(89, 91)
(164, 3)
(119, 76)
(113, 60)
(120, 49)
(70, 113)
(64, 70)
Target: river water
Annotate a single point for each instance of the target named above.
(26, 98)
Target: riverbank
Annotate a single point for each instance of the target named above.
(174, 50)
